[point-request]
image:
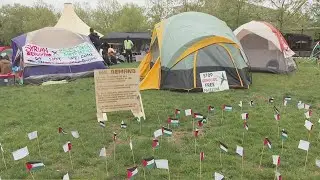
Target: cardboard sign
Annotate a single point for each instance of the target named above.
(214, 81)
(118, 90)
(81, 54)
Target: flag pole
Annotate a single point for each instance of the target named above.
(305, 164)
(220, 158)
(144, 173)
(39, 146)
(70, 159)
(114, 150)
(134, 162)
(195, 145)
(242, 137)
(140, 125)
(275, 176)
(82, 144)
(200, 169)
(282, 146)
(4, 160)
(31, 175)
(278, 129)
(261, 156)
(125, 131)
(107, 166)
(222, 116)
(242, 159)
(168, 173)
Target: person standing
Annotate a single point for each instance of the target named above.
(95, 39)
(128, 44)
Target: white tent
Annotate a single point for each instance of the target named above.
(69, 20)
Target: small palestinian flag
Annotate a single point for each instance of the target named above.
(201, 156)
(149, 163)
(166, 131)
(267, 142)
(308, 114)
(60, 130)
(227, 108)
(177, 113)
(288, 98)
(284, 134)
(197, 116)
(223, 147)
(102, 124)
(276, 110)
(285, 102)
(276, 160)
(240, 104)
(174, 122)
(202, 121)
(244, 116)
(67, 147)
(196, 132)
(278, 175)
(251, 103)
(155, 143)
(271, 100)
(277, 117)
(131, 172)
(245, 125)
(123, 125)
(114, 136)
(210, 109)
(31, 166)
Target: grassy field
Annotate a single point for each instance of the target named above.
(72, 106)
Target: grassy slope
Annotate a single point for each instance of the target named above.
(72, 106)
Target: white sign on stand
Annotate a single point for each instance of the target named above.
(214, 81)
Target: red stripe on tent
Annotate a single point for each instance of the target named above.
(283, 43)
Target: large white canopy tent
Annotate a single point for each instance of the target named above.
(69, 20)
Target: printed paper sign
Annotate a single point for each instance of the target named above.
(214, 81)
(118, 90)
(81, 54)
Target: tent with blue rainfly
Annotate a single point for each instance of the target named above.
(187, 44)
(54, 54)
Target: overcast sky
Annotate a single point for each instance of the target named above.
(58, 4)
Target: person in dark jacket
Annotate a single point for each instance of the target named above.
(95, 39)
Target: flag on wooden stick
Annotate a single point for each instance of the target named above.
(276, 160)
(155, 143)
(239, 150)
(75, 134)
(245, 125)
(267, 142)
(196, 132)
(188, 112)
(244, 116)
(284, 134)
(174, 122)
(66, 177)
(227, 108)
(67, 147)
(218, 176)
(131, 172)
(33, 135)
(114, 136)
(123, 125)
(210, 109)
(304, 145)
(149, 163)
(61, 131)
(20, 153)
(278, 176)
(223, 147)
(34, 165)
(201, 156)
(102, 124)
(308, 125)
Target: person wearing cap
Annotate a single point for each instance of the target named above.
(95, 39)
(128, 45)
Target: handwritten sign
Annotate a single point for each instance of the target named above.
(214, 81)
(81, 54)
(118, 90)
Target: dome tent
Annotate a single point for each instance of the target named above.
(265, 47)
(54, 54)
(187, 44)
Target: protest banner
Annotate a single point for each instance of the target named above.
(214, 81)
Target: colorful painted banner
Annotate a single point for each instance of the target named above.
(81, 54)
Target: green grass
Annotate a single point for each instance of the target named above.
(72, 106)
